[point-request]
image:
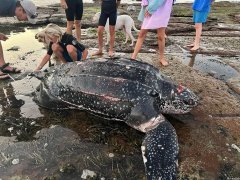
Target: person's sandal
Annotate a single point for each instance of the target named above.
(13, 70)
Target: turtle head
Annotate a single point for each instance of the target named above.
(178, 100)
(42, 75)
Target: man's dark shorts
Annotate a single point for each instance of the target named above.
(108, 10)
(74, 10)
(69, 59)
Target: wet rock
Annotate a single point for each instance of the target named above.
(19, 178)
(234, 83)
(175, 28)
(227, 170)
(237, 17)
(212, 73)
(30, 83)
(58, 18)
(63, 146)
(5, 21)
(43, 19)
(228, 26)
(43, 16)
(131, 8)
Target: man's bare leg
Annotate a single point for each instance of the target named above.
(161, 45)
(100, 41)
(2, 75)
(84, 54)
(2, 61)
(198, 27)
(78, 29)
(58, 51)
(69, 27)
(112, 39)
(141, 36)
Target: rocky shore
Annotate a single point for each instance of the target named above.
(209, 137)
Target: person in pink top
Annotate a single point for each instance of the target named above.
(154, 14)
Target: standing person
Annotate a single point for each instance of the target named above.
(154, 14)
(201, 9)
(74, 12)
(108, 10)
(63, 45)
(24, 10)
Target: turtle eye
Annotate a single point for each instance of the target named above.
(180, 89)
(154, 93)
(172, 95)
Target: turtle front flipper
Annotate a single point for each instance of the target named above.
(160, 152)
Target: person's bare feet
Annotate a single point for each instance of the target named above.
(133, 57)
(163, 62)
(84, 54)
(98, 53)
(110, 54)
(195, 48)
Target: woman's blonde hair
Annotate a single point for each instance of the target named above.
(53, 30)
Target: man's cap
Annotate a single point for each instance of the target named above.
(30, 9)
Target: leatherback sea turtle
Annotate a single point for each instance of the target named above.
(124, 90)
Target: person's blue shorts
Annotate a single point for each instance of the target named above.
(69, 59)
(200, 17)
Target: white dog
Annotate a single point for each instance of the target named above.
(41, 37)
(124, 22)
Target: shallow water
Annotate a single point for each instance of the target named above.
(211, 65)
(25, 42)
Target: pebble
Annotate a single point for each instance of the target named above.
(86, 173)
(15, 161)
(111, 155)
(234, 146)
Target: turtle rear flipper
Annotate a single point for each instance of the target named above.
(160, 152)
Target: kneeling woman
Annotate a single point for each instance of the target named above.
(65, 47)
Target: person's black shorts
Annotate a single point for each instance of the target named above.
(108, 10)
(103, 19)
(74, 10)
